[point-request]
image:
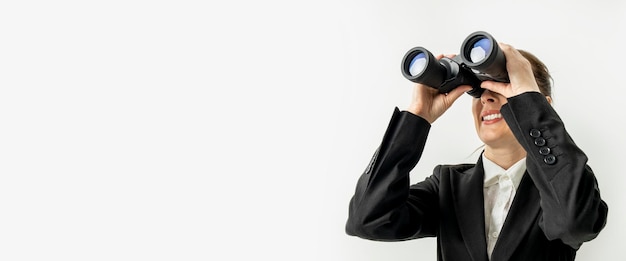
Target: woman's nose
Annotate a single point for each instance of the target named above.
(487, 97)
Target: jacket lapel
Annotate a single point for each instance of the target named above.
(519, 220)
(469, 206)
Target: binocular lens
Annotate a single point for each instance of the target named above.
(481, 53)
(418, 64)
(480, 50)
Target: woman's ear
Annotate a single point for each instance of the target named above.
(549, 99)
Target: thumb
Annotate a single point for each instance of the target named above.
(458, 92)
(497, 87)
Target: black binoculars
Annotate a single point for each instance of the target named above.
(480, 59)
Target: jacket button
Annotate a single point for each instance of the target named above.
(544, 151)
(535, 133)
(549, 159)
(540, 141)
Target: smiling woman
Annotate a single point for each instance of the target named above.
(530, 196)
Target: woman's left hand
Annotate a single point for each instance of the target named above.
(520, 75)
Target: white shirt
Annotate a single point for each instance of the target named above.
(499, 190)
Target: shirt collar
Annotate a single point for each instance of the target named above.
(493, 171)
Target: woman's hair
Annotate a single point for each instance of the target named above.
(542, 75)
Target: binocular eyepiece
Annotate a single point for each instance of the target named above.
(480, 59)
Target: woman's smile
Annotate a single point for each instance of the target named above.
(490, 117)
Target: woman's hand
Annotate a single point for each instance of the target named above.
(429, 104)
(520, 75)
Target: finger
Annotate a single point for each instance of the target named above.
(439, 56)
(514, 59)
(509, 51)
(520, 71)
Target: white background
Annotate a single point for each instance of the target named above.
(236, 130)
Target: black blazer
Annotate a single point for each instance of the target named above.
(556, 208)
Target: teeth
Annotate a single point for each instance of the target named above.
(492, 116)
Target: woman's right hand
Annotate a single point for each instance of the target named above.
(429, 104)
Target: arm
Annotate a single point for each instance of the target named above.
(573, 210)
(383, 206)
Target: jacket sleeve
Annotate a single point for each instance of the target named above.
(384, 206)
(572, 209)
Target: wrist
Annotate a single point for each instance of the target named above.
(415, 110)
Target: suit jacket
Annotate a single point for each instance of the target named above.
(557, 205)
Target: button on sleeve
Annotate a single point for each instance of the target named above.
(540, 141)
(535, 133)
(549, 159)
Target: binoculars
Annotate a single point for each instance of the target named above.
(480, 59)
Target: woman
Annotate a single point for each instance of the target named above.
(530, 196)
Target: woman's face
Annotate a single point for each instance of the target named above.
(490, 126)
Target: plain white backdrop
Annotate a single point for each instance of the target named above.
(236, 130)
